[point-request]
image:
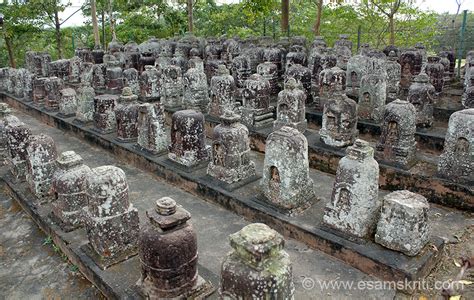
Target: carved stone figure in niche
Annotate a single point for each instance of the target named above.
(131, 80)
(53, 86)
(150, 84)
(18, 137)
(67, 103)
(332, 81)
(151, 128)
(394, 72)
(222, 92)
(411, 63)
(196, 94)
(104, 114)
(422, 94)
(291, 107)
(126, 114)
(171, 87)
(435, 71)
(256, 110)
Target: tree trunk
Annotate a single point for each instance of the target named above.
(112, 21)
(58, 34)
(285, 11)
(190, 15)
(11, 55)
(391, 25)
(95, 27)
(317, 25)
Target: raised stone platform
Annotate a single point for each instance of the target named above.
(369, 257)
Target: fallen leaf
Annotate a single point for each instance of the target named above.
(466, 282)
(458, 297)
(456, 263)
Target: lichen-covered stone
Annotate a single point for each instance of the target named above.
(297, 55)
(59, 68)
(131, 80)
(172, 87)
(87, 72)
(18, 137)
(74, 73)
(422, 95)
(104, 114)
(397, 142)
(457, 160)
(230, 160)
(150, 84)
(126, 114)
(403, 224)
(132, 55)
(84, 54)
(151, 128)
(291, 110)
(448, 54)
(269, 71)
(357, 67)
(256, 110)
(339, 125)
(303, 78)
(394, 72)
(355, 204)
(114, 75)
(168, 252)
(85, 103)
(275, 56)
(111, 220)
(39, 90)
(468, 95)
(69, 189)
(222, 92)
(188, 142)
(68, 102)
(53, 87)
(98, 76)
(331, 81)
(372, 96)
(411, 62)
(5, 118)
(196, 93)
(257, 267)
(241, 70)
(435, 71)
(41, 161)
(285, 181)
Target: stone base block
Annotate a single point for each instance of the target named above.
(65, 116)
(301, 126)
(66, 227)
(230, 176)
(230, 186)
(201, 290)
(106, 262)
(147, 152)
(188, 169)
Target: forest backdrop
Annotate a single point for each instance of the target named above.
(35, 24)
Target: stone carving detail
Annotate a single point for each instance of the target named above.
(131, 80)
(53, 86)
(339, 126)
(151, 128)
(435, 71)
(397, 143)
(69, 190)
(468, 95)
(403, 224)
(98, 76)
(5, 119)
(168, 252)
(84, 54)
(104, 115)
(331, 82)
(75, 66)
(257, 267)
(150, 84)
(285, 182)
(18, 137)
(291, 109)
(373, 92)
(59, 68)
(196, 94)
(394, 72)
(302, 76)
(222, 92)
(355, 205)
(171, 87)
(188, 145)
(68, 103)
(357, 67)
(457, 160)
(111, 220)
(126, 114)
(114, 75)
(269, 71)
(87, 72)
(411, 62)
(85, 103)
(241, 70)
(230, 161)
(41, 161)
(421, 94)
(296, 56)
(256, 110)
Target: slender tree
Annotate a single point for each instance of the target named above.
(319, 11)
(285, 12)
(95, 27)
(189, 6)
(389, 8)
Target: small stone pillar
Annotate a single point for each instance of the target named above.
(41, 160)
(69, 190)
(302, 76)
(59, 68)
(98, 56)
(394, 71)
(403, 224)
(410, 62)
(468, 95)
(18, 137)
(104, 114)
(397, 144)
(130, 77)
(85, 54)
(150, 84)
(357, 67)
(67, 103)
(291, 110)
(152, 136)
(257, 267)
(435, 71)
(256, 110)
(355, 204)
(146, 59)
(188, 142)
(274, 56)
(5, 119)
(269, 71)
(339, 125)
(171, 87)
(39, 91)
(85, 104)
(372, 96)
(332, 81)
(168, 254)
(230, 160)
(87, 73)
(53, 86)
(98, 76)
(222, 92)
(196, 93)
(111, 220)
(285, 181)
(74, 72)
(422, 94)
(241, 69)
(456, 163)
(296, 55)
(114, 76)
(126, 114)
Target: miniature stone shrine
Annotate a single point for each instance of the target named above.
(18, 137)
(257, 267)
(104, 115)
(85, 103)
(411, 63)
(291, 107)
(126, 114)
(41, 161)
(111, 220)
(302, 76)
(53, 86)
(188, 145)
(331, 81)
(5, 119)
(403, 224)
(354, 204)
(357, 67)
(39, 90)
(435, 71)
(222, 92)
(151, 128)
(373, 93)
(421, 94)
(59, 68)
(457, 160)
(285, 181)
(171, 87)
(69, 190)
(150, 84)
(130, 77)
(256, 110)
(394, 71)
(468, 95)
(98, 76)
(114, 76)
(75, 65)
(196, 94)
(269, 71)
(67, 103)
(230, 160)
